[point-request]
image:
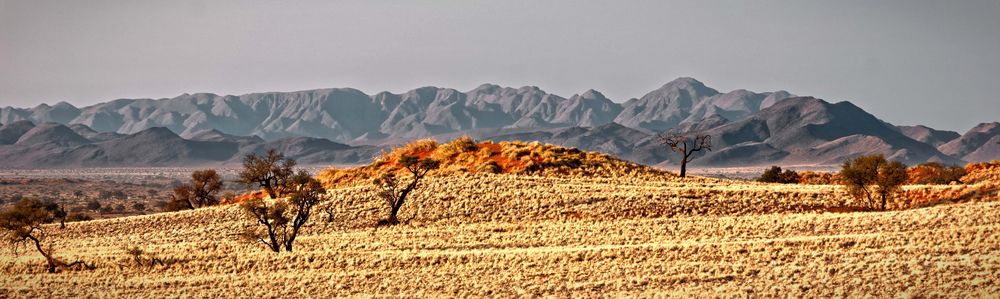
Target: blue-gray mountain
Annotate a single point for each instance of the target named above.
(55, 145)
(315, 126)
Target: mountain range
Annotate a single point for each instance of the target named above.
(347, 126)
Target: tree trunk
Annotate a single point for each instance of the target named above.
(270, 191)
(48, 259)
(399, 201)
(684, 163)
(275, 246)
(883, 201)
(291, 239)
(395, 210)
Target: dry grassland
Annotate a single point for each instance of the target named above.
(510, 236)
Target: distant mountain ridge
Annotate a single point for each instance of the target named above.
(320, 126)
(346, 115)
(54, 145)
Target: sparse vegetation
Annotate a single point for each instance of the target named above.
(142, 259)
(596, 230)
(873, 179)
(495, 235)
(22, 226)
(685, 145)
(460, 157)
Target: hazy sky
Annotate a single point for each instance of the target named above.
(928, 62)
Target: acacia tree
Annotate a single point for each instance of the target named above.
(200, 192)
(22, 225)
(94, 205)
(305, 193)
(872, 179)
(57, 210)
(686, 146)
(393, 192)
(269, 172)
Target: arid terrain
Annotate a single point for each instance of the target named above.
(120, 191)
(499, 149)
(519, 235)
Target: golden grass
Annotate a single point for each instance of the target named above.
(480, 234)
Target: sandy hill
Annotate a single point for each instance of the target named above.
(463, 155)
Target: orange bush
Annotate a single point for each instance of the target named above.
(818, 178)
(934, 174)
(244, 197)
(978, 172)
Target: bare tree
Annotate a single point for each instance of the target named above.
(22, 225)
(200, 192)
(873, 179)
(393, 192)
(276, 217)
(686, 146)
(269, 172)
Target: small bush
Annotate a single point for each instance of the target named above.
(935, 174)
(143, 259)
(775, 175)
(978, 172)
(75, 217)
(490, 167)
(94, 205)
(454, 148)
(818, 178)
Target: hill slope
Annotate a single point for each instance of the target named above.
(979, 144)
(465, 156)
(521, 235)
(812, 131)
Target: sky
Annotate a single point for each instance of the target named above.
(935, 63)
